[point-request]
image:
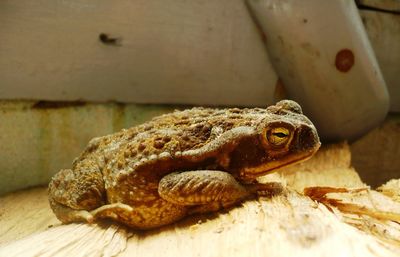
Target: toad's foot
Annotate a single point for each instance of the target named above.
(266, 189)
(111, 211)
(68, 215)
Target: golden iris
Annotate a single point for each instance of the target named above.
(278, 136)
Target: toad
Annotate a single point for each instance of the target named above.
(192, 161)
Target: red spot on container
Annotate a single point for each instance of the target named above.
(344, 60)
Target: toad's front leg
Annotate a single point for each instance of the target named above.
(209, 190)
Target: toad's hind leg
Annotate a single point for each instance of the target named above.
(73, 193)
(67, 214)
(204, 190)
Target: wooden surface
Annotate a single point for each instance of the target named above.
(289, 224)
(376, 155)
(38, 138)
(168, 51)
(202, 52)
(386, 48)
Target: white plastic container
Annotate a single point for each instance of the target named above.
(321, 53)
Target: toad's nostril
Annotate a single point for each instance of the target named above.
(307, 138)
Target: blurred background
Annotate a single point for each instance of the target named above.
(72, 70)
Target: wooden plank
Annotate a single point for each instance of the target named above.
(169, 51)
(376, 155)
(37, 139)
(383, 31)
(23, 213)
(380, 5)
(289, 224)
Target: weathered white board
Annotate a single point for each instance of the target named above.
(167, 51)
(383, 30)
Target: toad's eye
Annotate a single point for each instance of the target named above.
(278, 136)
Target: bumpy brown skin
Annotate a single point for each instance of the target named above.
(185, 162)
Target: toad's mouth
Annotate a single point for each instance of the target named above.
(272, 166)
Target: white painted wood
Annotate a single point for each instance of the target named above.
(388, 5)
(383, 31)
(170, 51)
(37, 141)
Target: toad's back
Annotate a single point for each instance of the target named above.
(162, 140)
(168, 134)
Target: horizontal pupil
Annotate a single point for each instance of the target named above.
(279, 134)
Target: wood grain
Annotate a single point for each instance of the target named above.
(289, 224)
(168, 51)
